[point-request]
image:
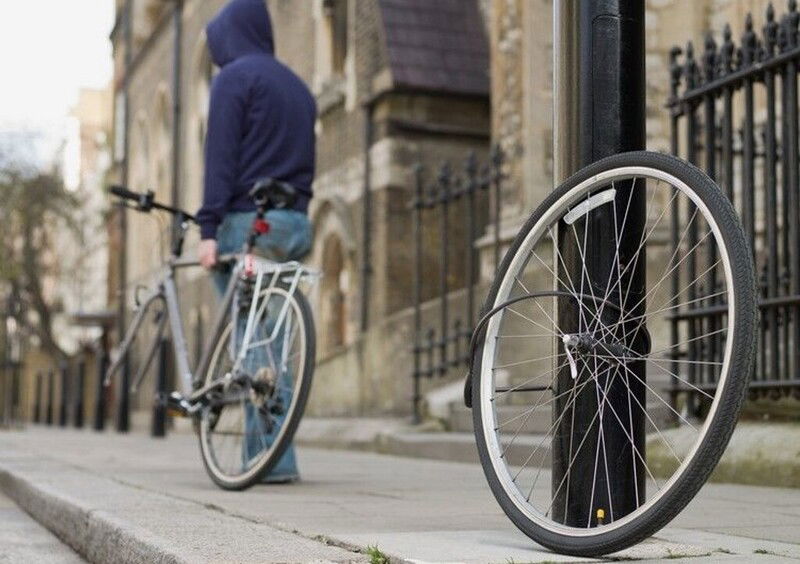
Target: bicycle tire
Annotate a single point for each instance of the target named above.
(731, 396)
(300, 399)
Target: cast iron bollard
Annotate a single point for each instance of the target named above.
(63, 411)
(80, 384)
(158, 426)
(51, 380)
(37, 399)
(100, 390)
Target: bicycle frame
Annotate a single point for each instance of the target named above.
(267, 275)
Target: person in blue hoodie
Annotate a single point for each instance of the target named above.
(261, 124)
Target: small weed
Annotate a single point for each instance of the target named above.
(376, 556)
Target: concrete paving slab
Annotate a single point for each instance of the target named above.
(413, 509)
(23, 540)
(725, 543)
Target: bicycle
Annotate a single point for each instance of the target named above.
(567, 333)
(249, 388)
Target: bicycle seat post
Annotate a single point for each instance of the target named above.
(260, 226)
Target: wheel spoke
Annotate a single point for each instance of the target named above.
(585, 256)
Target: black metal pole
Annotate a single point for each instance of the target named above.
(80, 386)
(100, 389)
(611, 119)
(37, 400)
(676, 72)
(51, 380)
(710, 60)
(64, 407)
(123, 404)
(419, 203)
(771, 188)
(444, 202)
(691, 74)
(158, 426)
(471, 170)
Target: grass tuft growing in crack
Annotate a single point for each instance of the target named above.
(376, 556)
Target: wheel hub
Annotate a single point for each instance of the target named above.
(583, 345)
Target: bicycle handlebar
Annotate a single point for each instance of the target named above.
(124, 193)
(145, 202)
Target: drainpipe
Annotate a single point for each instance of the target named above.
(123, 405)
(177, 73)
(366, 264)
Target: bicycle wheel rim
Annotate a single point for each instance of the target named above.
(486, 419)
(268, 457)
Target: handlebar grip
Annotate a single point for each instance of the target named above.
(123, 192)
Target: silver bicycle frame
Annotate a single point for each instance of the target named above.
(268, 274)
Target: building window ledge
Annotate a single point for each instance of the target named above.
(332, 94)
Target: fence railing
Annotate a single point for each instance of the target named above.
(450, 210)
(734, 112)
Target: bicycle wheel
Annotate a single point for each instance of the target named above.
(248, 425)
(601, 405)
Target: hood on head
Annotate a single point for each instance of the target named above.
(242, 27)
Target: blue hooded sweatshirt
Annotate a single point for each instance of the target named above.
(261, 116)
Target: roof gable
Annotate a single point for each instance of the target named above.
(437, 45)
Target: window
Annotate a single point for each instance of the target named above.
(333, 293)
(337, 15)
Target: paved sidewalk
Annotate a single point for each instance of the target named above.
(105, 493)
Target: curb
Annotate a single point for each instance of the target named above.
(110, 521)
(94, 534)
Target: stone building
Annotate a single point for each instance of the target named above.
(396, 82)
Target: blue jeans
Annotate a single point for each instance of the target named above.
(289, 238)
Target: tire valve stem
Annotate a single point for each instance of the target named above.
(601, 516)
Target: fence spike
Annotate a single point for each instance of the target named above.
(770, 33)
(749, 46)
(727, 51)
(793, 19)
(710, 58)
(690, 67)
(497, 156)
(471, 165)
(675, 70)
(418, 201)
(444, 179)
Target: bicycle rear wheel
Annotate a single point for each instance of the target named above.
(583, 388)
(250, 422)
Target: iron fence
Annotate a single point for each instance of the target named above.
(474, 194)
(734, 112)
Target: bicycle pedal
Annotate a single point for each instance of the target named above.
(178, 406)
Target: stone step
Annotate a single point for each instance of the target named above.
(541, 420)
